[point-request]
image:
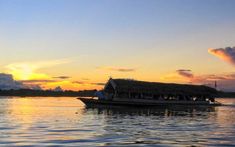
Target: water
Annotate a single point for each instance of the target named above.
(66, 122)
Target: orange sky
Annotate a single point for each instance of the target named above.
(80, 44)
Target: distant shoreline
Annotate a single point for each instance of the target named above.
(47, 93)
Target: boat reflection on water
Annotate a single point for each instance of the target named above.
(166, 125)
(159, 111)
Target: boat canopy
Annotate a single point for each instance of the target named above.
(157, 88)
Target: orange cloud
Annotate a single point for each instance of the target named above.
(227, 54)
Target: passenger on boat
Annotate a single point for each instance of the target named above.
(100, 95)
(212, 99)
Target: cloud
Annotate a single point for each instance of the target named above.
(88, 83)
(227, 54)
(203, 78)
(185, 73)
(98, 84)
(225, 81)
(118, 69)
(7, 82)
(79, 82)
(38, 81)
(61, 77)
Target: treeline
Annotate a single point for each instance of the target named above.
(222, 94)
(47, 93)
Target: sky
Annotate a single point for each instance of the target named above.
(80, 44)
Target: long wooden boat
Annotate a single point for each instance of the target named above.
(124, 92)
(144, 103)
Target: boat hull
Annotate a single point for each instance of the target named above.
(134, 103)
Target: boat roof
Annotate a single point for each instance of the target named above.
(127, 85)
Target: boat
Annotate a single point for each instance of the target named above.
(133, 93)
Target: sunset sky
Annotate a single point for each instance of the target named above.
(79, 44)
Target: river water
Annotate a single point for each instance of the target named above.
(67, 122)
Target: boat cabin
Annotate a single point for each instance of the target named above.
(132, 89)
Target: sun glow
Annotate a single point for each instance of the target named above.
(25, 72)
(29, 70)
(31, 73)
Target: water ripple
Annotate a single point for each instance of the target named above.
(66, 122)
